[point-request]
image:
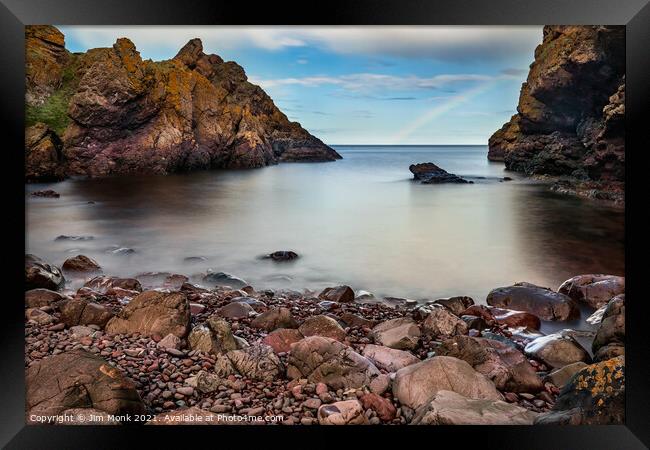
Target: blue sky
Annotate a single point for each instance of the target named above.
(364, 85)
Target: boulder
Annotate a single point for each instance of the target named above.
(282, 255)
(609, 351)
(612, 325)
(506, 366)
(455, 304)
(594, 290)
(103, 284)
(595, 395)
(257, 362)
(542, 302)
(441, 322)
(38, 316)
(389, 359)
(215, 338)
(450, 408)
(514, 319)
(224, 279)
(347, 412)
(79, 379)
(339, 294)
(169, 342)
(561, 376)
(325, 360)
(41, 274)
(429, 173)
(385, 410)
(414, 385)
(401, 333)
(281, 339)
(36, 298)
(274, 318)
(81, 264)
(322, 325)
(82, 312)
(153, 312)
(236, 310)
(557, 349)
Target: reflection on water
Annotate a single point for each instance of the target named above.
(359, 221)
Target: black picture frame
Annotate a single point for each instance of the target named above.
(634, 14)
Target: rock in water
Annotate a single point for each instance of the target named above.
(612, 326)
(131, 116)
(81, 264)
(282, 255)
(79, 379)
(153, 312)
(224, 279)
(542, 302)
(41, 274)
(571, 111)
(450, 408)
(429, 173)
(339, 294)
(593, 290)
(594, 396)
(414, 385)
(557, 349)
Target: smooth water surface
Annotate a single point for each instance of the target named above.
(360, 221)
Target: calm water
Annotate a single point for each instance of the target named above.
(361, 221)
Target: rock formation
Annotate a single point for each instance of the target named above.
(570, 117)
(118, 114)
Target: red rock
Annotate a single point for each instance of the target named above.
(382, 406)
(281, 339)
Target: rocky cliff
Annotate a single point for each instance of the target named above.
(570, 117)
(107, 111)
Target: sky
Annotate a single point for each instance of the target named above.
(363, 85)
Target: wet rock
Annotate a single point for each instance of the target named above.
(609, 351)
(594, 396)
(224, 279)
(64, 237)
(542, 302)
(282, 255)
(559, 377)
(593, 290)
(49, 193)
(339, 294)
(325, 360)
(506, 366)
(557, 349)
(236, 310)
(36, 298)
(382, 406)
(322, 325)
(41, 274)
(274, 318)
(388, 358)
(514, 319)
(414, 385)
(441, 322)
(612, 326)
(194, 259)
(121, 251)
(153, 312)
(175, 281)
(102, 284)
(455, 304)
(401, 333)
(347, 412)
(82, 312)
(597, 316)
(81, 264)
(429, 173)
(79, 379)
(281, 339)
(450, 408)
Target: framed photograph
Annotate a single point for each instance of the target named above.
(390, 217)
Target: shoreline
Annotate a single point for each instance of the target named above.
(182, 349)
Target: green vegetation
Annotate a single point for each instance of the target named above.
(54, 111)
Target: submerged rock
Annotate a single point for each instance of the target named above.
(557, 349)
(282, 255)
(81, 264)
(542, 302)
(429, 173)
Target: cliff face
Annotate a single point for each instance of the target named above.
(570, 117)
(116, 113)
